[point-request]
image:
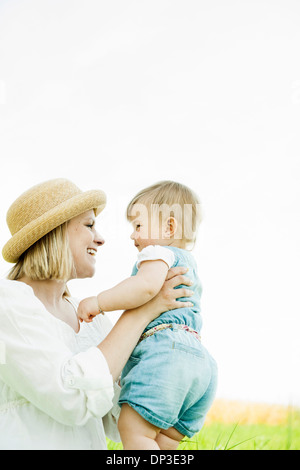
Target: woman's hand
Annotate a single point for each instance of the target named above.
(166, 298)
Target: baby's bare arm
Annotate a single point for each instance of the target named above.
(136, 290)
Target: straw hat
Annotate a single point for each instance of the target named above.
(43, 208)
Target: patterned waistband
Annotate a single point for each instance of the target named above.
(164, 326)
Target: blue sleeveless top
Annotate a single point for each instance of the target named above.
(189, 316)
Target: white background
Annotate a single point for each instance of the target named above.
(120, 94)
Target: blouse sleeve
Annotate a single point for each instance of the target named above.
(110, 420)
(39, 366)
(102, 325)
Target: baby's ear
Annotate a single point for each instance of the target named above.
(171, 227)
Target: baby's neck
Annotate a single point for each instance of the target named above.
(177, 244)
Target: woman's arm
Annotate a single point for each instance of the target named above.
(122, 339)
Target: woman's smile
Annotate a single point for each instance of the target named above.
(84, 240)
(92, 251)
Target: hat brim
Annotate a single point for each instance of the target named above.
(34, 231)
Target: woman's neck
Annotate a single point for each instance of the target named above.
(49, 292)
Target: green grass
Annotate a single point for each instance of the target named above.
(220, 436)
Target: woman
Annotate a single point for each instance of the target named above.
(58, 377)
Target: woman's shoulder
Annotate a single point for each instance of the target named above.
(14, 294)
(8, 288)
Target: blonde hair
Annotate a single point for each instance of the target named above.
(50, 258)
(171, 199)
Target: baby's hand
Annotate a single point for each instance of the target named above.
(88, 309)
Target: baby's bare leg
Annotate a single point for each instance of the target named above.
(169, 439)
(136, 433)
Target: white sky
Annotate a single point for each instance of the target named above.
(119, 94)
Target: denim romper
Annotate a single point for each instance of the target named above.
(170, 379)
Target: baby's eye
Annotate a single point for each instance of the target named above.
(90, 226)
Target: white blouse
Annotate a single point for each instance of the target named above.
(56, 390)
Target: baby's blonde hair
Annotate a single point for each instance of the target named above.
(50, 258)
(171, 199)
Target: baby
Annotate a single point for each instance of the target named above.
(169, 382)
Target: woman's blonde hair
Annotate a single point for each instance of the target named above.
(50, 258)
(171, 199)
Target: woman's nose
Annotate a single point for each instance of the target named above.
(99, 239)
